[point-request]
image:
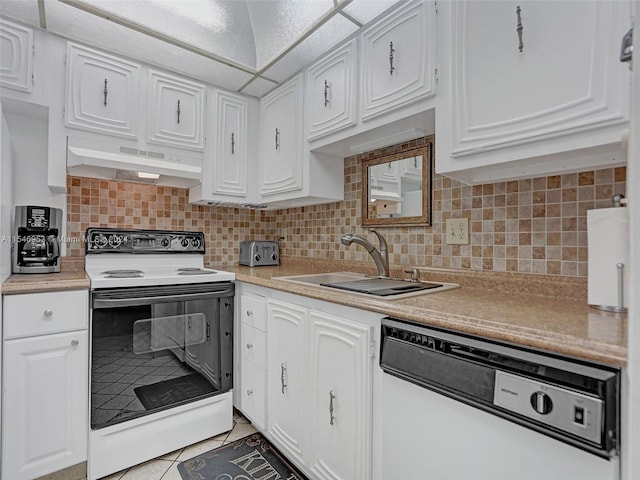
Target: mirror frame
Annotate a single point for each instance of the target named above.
(422, 220)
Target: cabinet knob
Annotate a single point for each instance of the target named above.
(74, 343)
(48, 313)
(249, 392)
(249, 346)
(249, 313)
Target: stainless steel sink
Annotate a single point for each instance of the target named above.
(388, 288)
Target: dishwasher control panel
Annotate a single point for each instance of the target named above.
(566, 410)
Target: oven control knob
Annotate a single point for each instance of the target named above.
(257, 257)
(165, 242)
(195, 243)
(274, 256)
(541, 402)
(185, 242)
(100, 241)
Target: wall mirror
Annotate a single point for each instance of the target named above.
(396, 188)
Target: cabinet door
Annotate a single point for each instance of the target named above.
(16, 56)
(286, 375)
(281, 139)
(341, 389)
(45, 401)
(398, 59)
(176, 111)
(102, 92)
(566, 78)
(331, 92)
(230, 157)
(253, 376)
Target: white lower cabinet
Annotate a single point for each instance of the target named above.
(286, 379)
(45, 385)
(253, 358)
(319, 384)
(320, 381)
(340, 379)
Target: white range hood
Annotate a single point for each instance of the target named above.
(87, 158)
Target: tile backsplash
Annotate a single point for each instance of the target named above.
(536, 225)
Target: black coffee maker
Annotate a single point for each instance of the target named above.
(36, 245)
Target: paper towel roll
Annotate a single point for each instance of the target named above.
(608, 246)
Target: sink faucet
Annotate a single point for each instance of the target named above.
(380, 257)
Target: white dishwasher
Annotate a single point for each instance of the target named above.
(460, 408)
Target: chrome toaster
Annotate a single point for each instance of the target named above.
(258, 253)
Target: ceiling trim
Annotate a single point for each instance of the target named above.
(42, 15)
(310, 31)
(256, 74)
(350, 18)
(155, 34)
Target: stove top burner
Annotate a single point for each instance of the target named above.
(122, 273)
(194, 271)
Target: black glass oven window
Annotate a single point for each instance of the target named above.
(151, 357)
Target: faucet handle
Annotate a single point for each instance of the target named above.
(415, 274)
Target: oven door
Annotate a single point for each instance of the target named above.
(153, 348)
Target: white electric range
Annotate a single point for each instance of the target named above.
(161, 328)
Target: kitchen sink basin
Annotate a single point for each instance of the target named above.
(389, 288)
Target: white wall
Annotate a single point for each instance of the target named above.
(631, 399)
(6, 201)
(28, 126)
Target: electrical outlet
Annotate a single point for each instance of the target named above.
(457, 231)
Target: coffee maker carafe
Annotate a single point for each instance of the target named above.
(36, 246)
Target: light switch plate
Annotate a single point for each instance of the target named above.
(457, 231)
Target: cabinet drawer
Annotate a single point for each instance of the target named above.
(254, 311)
(41, 313)
(253, 345)
(253, 395)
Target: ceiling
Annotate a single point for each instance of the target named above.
(249, 46)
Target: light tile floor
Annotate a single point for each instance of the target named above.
(166, 466)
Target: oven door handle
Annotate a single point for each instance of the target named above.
(134, 301)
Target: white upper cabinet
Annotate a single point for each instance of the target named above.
(398, 59)
(281, 139)
(529, 79)
(176, 111)
(331, 92)
(102, 92)
(16, 56)
(230, 172)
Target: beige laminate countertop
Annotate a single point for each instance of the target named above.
(569, 327)
(45, 282)
(482, 306)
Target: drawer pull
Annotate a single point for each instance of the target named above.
(283, 371)
(48, 313)
(391, 52)
(249, 313)
(75, 343)
(332, 397)
(519, 29)
(249, 346)
(326, 91)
